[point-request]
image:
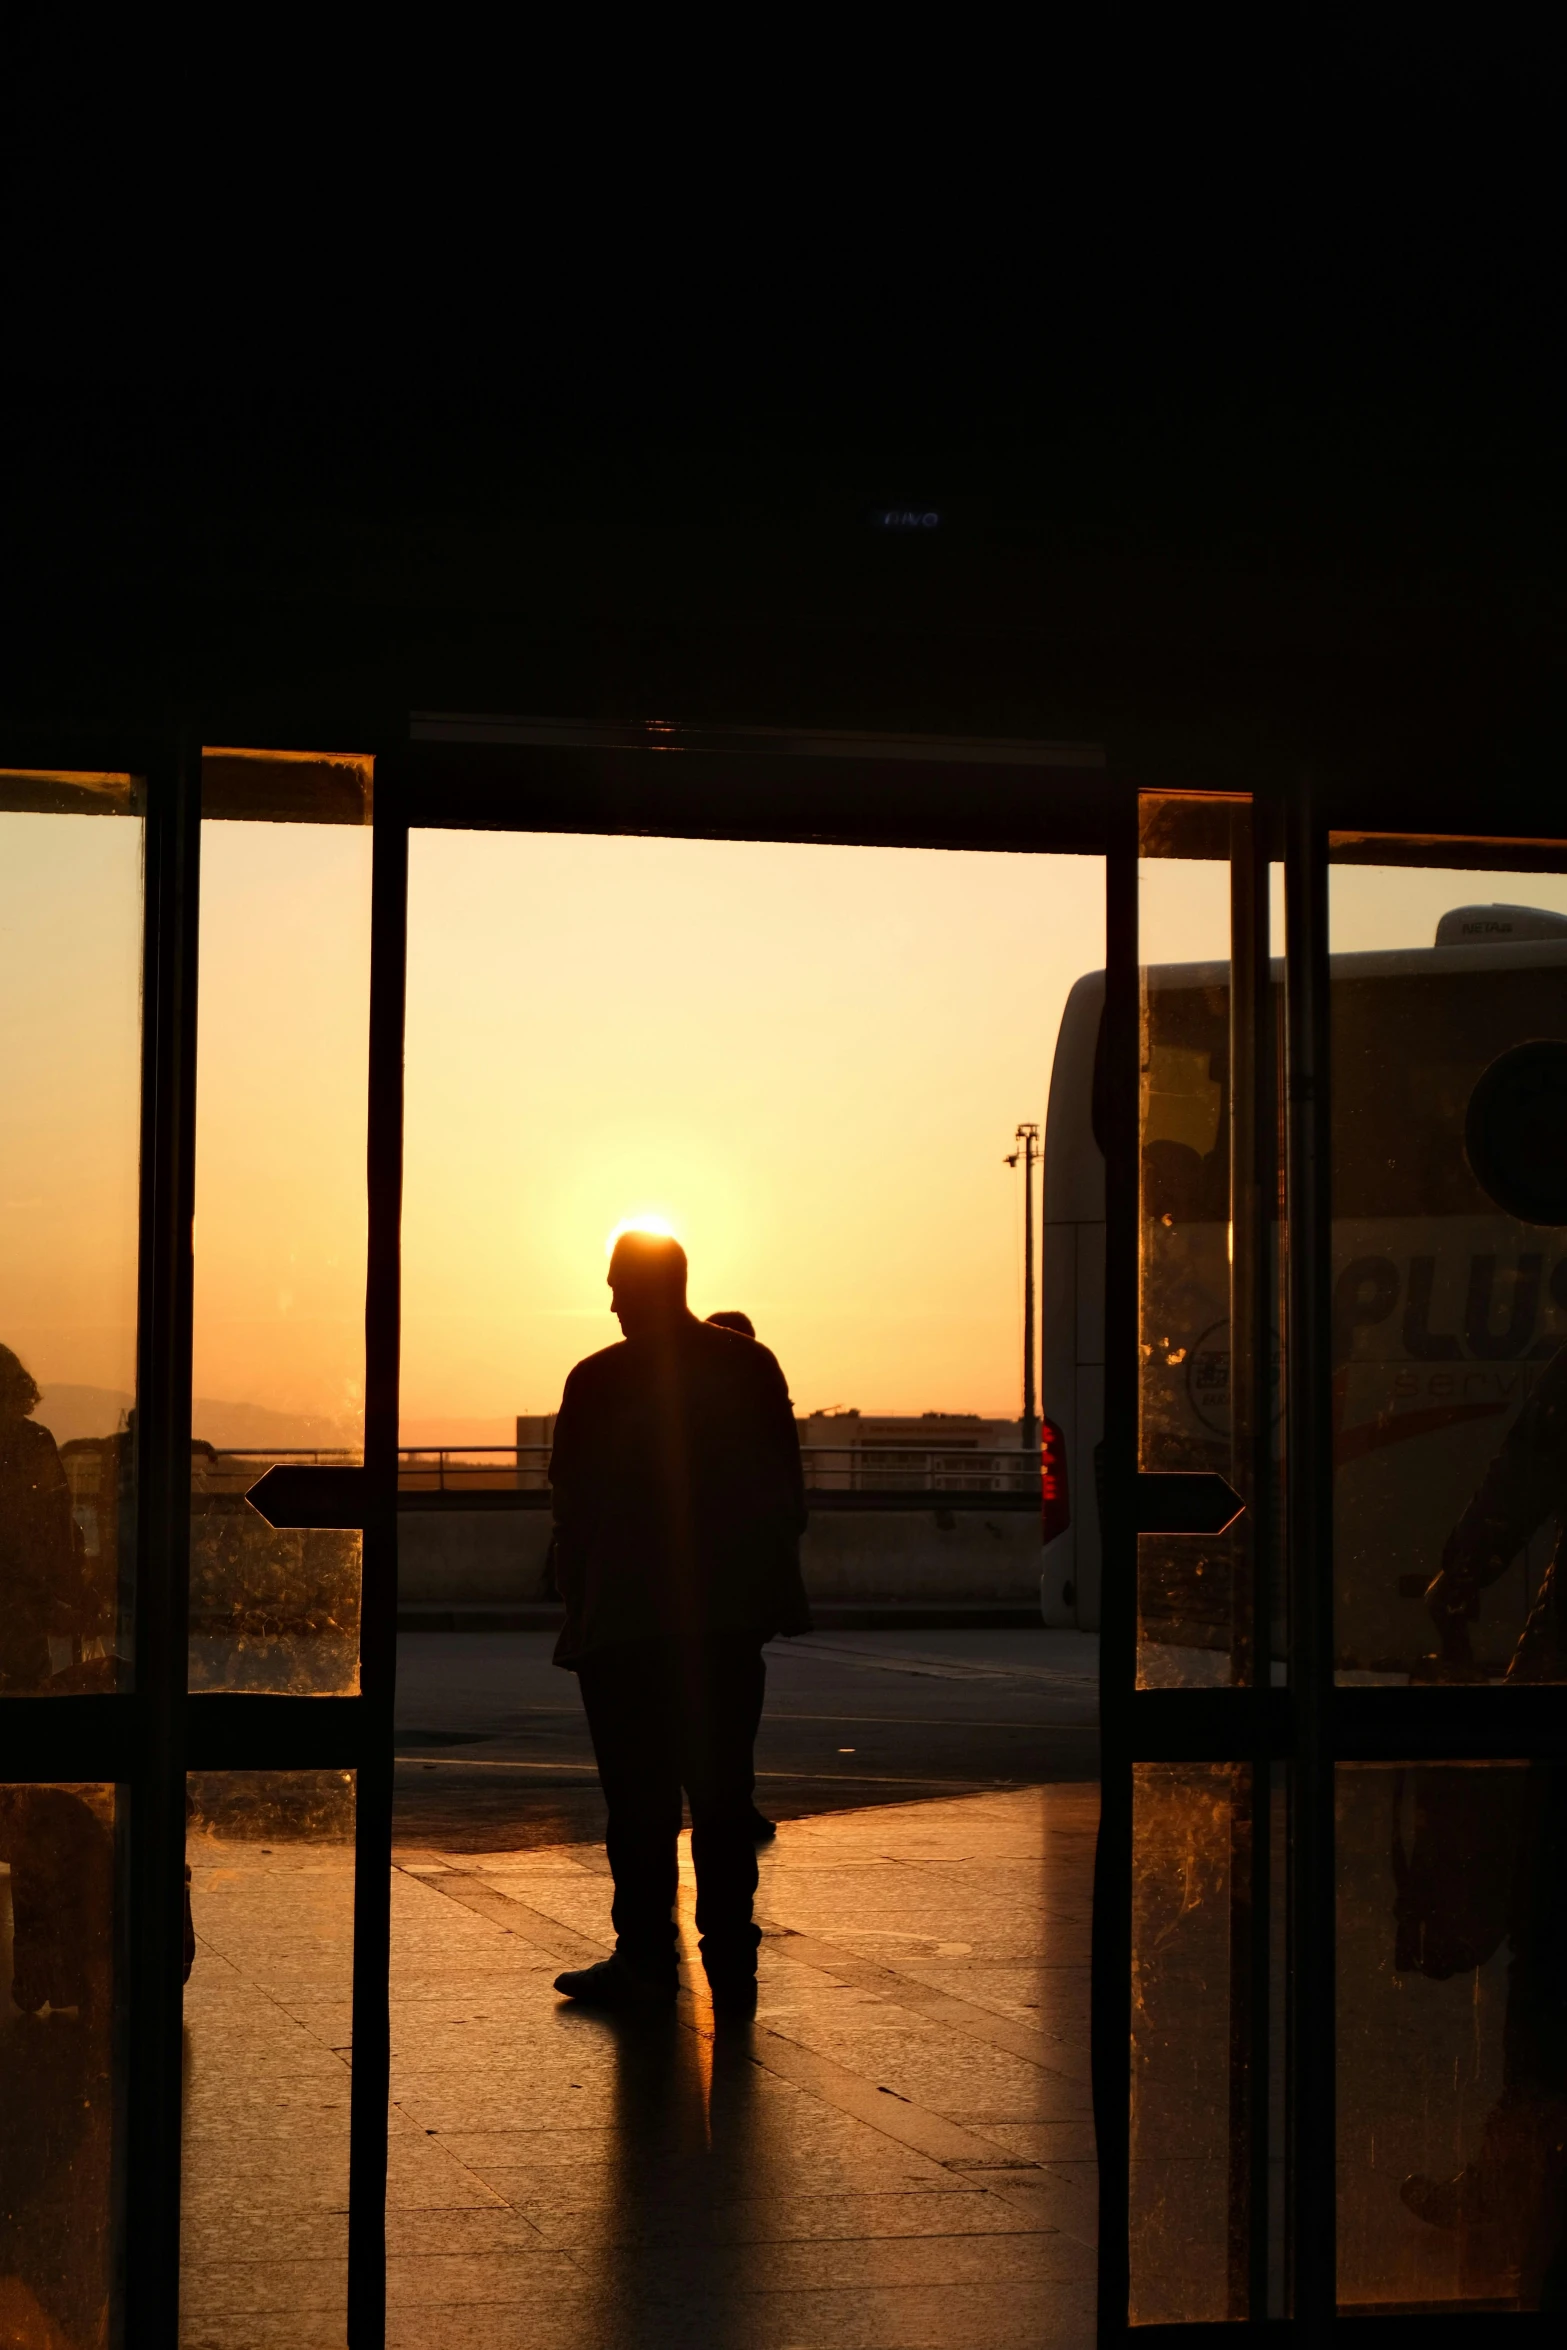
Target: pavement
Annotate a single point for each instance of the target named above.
(898, 2153)
(493, 1750)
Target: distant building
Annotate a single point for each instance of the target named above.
(955, 1452)
(847, 1450)
(535, 1436)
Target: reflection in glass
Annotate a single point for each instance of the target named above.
(1206, 1403)
(271, 1607)
(1449, 1056)
(280, 1210)
(1188, 2216)
(1452, 2035)
(57, 2075)
(57, 1606)
(70, 1078)
(264, 2196)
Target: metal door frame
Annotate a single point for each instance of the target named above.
(511, 774)
(139, 1740)
(1309, 1727)
(147, 1739)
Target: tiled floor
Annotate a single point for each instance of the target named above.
(897, 2153)
(265, 2168)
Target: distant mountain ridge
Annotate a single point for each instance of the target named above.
(72, 1412)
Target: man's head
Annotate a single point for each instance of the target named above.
(647, 1282)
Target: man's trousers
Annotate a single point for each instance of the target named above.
(666, 1716)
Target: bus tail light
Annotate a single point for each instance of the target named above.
(1055, 1505)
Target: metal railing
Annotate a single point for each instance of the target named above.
(473, 1468)
(918, 1468)
(829, 1468)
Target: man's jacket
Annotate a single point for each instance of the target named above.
(678, 1493)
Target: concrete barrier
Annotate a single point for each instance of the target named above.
(474, 1558)
(471, 1558)
(922, 1554)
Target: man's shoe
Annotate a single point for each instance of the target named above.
(763, 1830)
(611, 1983)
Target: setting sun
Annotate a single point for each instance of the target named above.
(652, 1222)
(803, 1062)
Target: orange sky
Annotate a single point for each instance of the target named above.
(70, 1093)
(810, 1060)
(280, 1120)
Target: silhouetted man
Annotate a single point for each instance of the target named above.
(679, 1505)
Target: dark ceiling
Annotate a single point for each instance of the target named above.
(1239, 419)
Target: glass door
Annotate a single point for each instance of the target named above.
(291, 1531)
(1447, 1042)
(1329, 2028)
(1189, 2039)
(197, 1628)
(73, 853)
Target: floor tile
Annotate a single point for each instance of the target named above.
(898, 2155)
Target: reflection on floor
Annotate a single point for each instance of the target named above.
(897, 2153)
(264, 2187)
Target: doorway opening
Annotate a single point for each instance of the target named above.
(810, 1063)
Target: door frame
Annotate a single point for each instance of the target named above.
(1304, 1730)
(466, 771)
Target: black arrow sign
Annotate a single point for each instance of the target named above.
(310, 1497)
(1185, 1501)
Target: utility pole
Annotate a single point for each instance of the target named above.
(1027, 1153)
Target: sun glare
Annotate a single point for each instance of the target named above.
(653, 1221)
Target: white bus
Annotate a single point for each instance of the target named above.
(1446, 1306)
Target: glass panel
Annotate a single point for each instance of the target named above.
(264, 2197)
(59, 2081)
(280, 1210)
(1452, 2035)
(1190, 2136)
(1209, 1192)
(70, 1079)
(1449, 1058)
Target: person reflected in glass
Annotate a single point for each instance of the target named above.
(1517, 2183)
(57, 1846)
(40, 1550)
(56, 2045)
(679, 1503)
(1525, 1485)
